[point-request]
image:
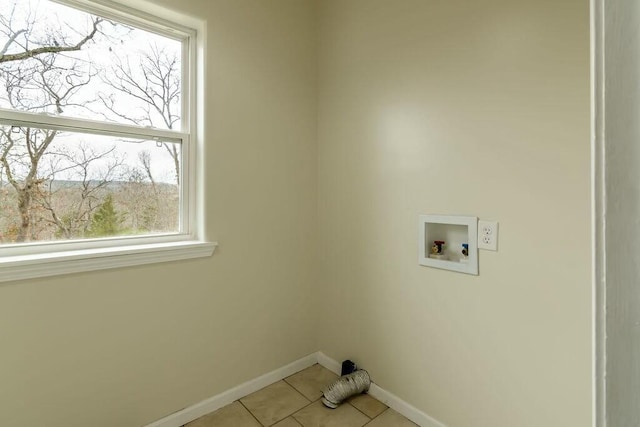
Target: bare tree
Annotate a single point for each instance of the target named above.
(20, 42)
(35, 143)
(140, 204)
(52, 66)
(34, 80)
(155, 81)
(71, 207)
(145, 160)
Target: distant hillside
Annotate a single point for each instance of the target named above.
(113, 185)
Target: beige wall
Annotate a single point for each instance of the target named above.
(424, 106)
(126, 347)
(459, 107)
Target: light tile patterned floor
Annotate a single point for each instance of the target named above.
(295, 402)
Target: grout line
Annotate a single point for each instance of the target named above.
(294, 387)
(349, 403)
(377, 416)
(294, 419)
(304, 407)
(298, 391)
(295, 412)
(250, 413)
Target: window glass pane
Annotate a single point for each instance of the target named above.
(61, 185)
(61, 61)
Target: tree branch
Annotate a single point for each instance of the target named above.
(30, 53)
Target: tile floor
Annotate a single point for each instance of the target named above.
(295, 401)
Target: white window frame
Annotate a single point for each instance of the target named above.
(40, 259)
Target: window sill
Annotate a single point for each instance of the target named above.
(52, 264)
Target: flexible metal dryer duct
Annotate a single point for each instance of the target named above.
(345, 387)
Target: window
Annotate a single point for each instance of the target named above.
(97, 139)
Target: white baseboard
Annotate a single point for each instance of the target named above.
(403, 408)
(389, 399)
(216, 402)
(332, 365)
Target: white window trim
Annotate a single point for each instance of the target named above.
(76, 261)
(28, 261)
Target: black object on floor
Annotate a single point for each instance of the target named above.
(348, 367)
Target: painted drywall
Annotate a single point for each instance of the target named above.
(459, 107)
(130, 346)
(622, 204)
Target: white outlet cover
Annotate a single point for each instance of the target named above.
(488, 235)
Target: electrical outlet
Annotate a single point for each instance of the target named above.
(488, 235)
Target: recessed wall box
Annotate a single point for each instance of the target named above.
(460, 236)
